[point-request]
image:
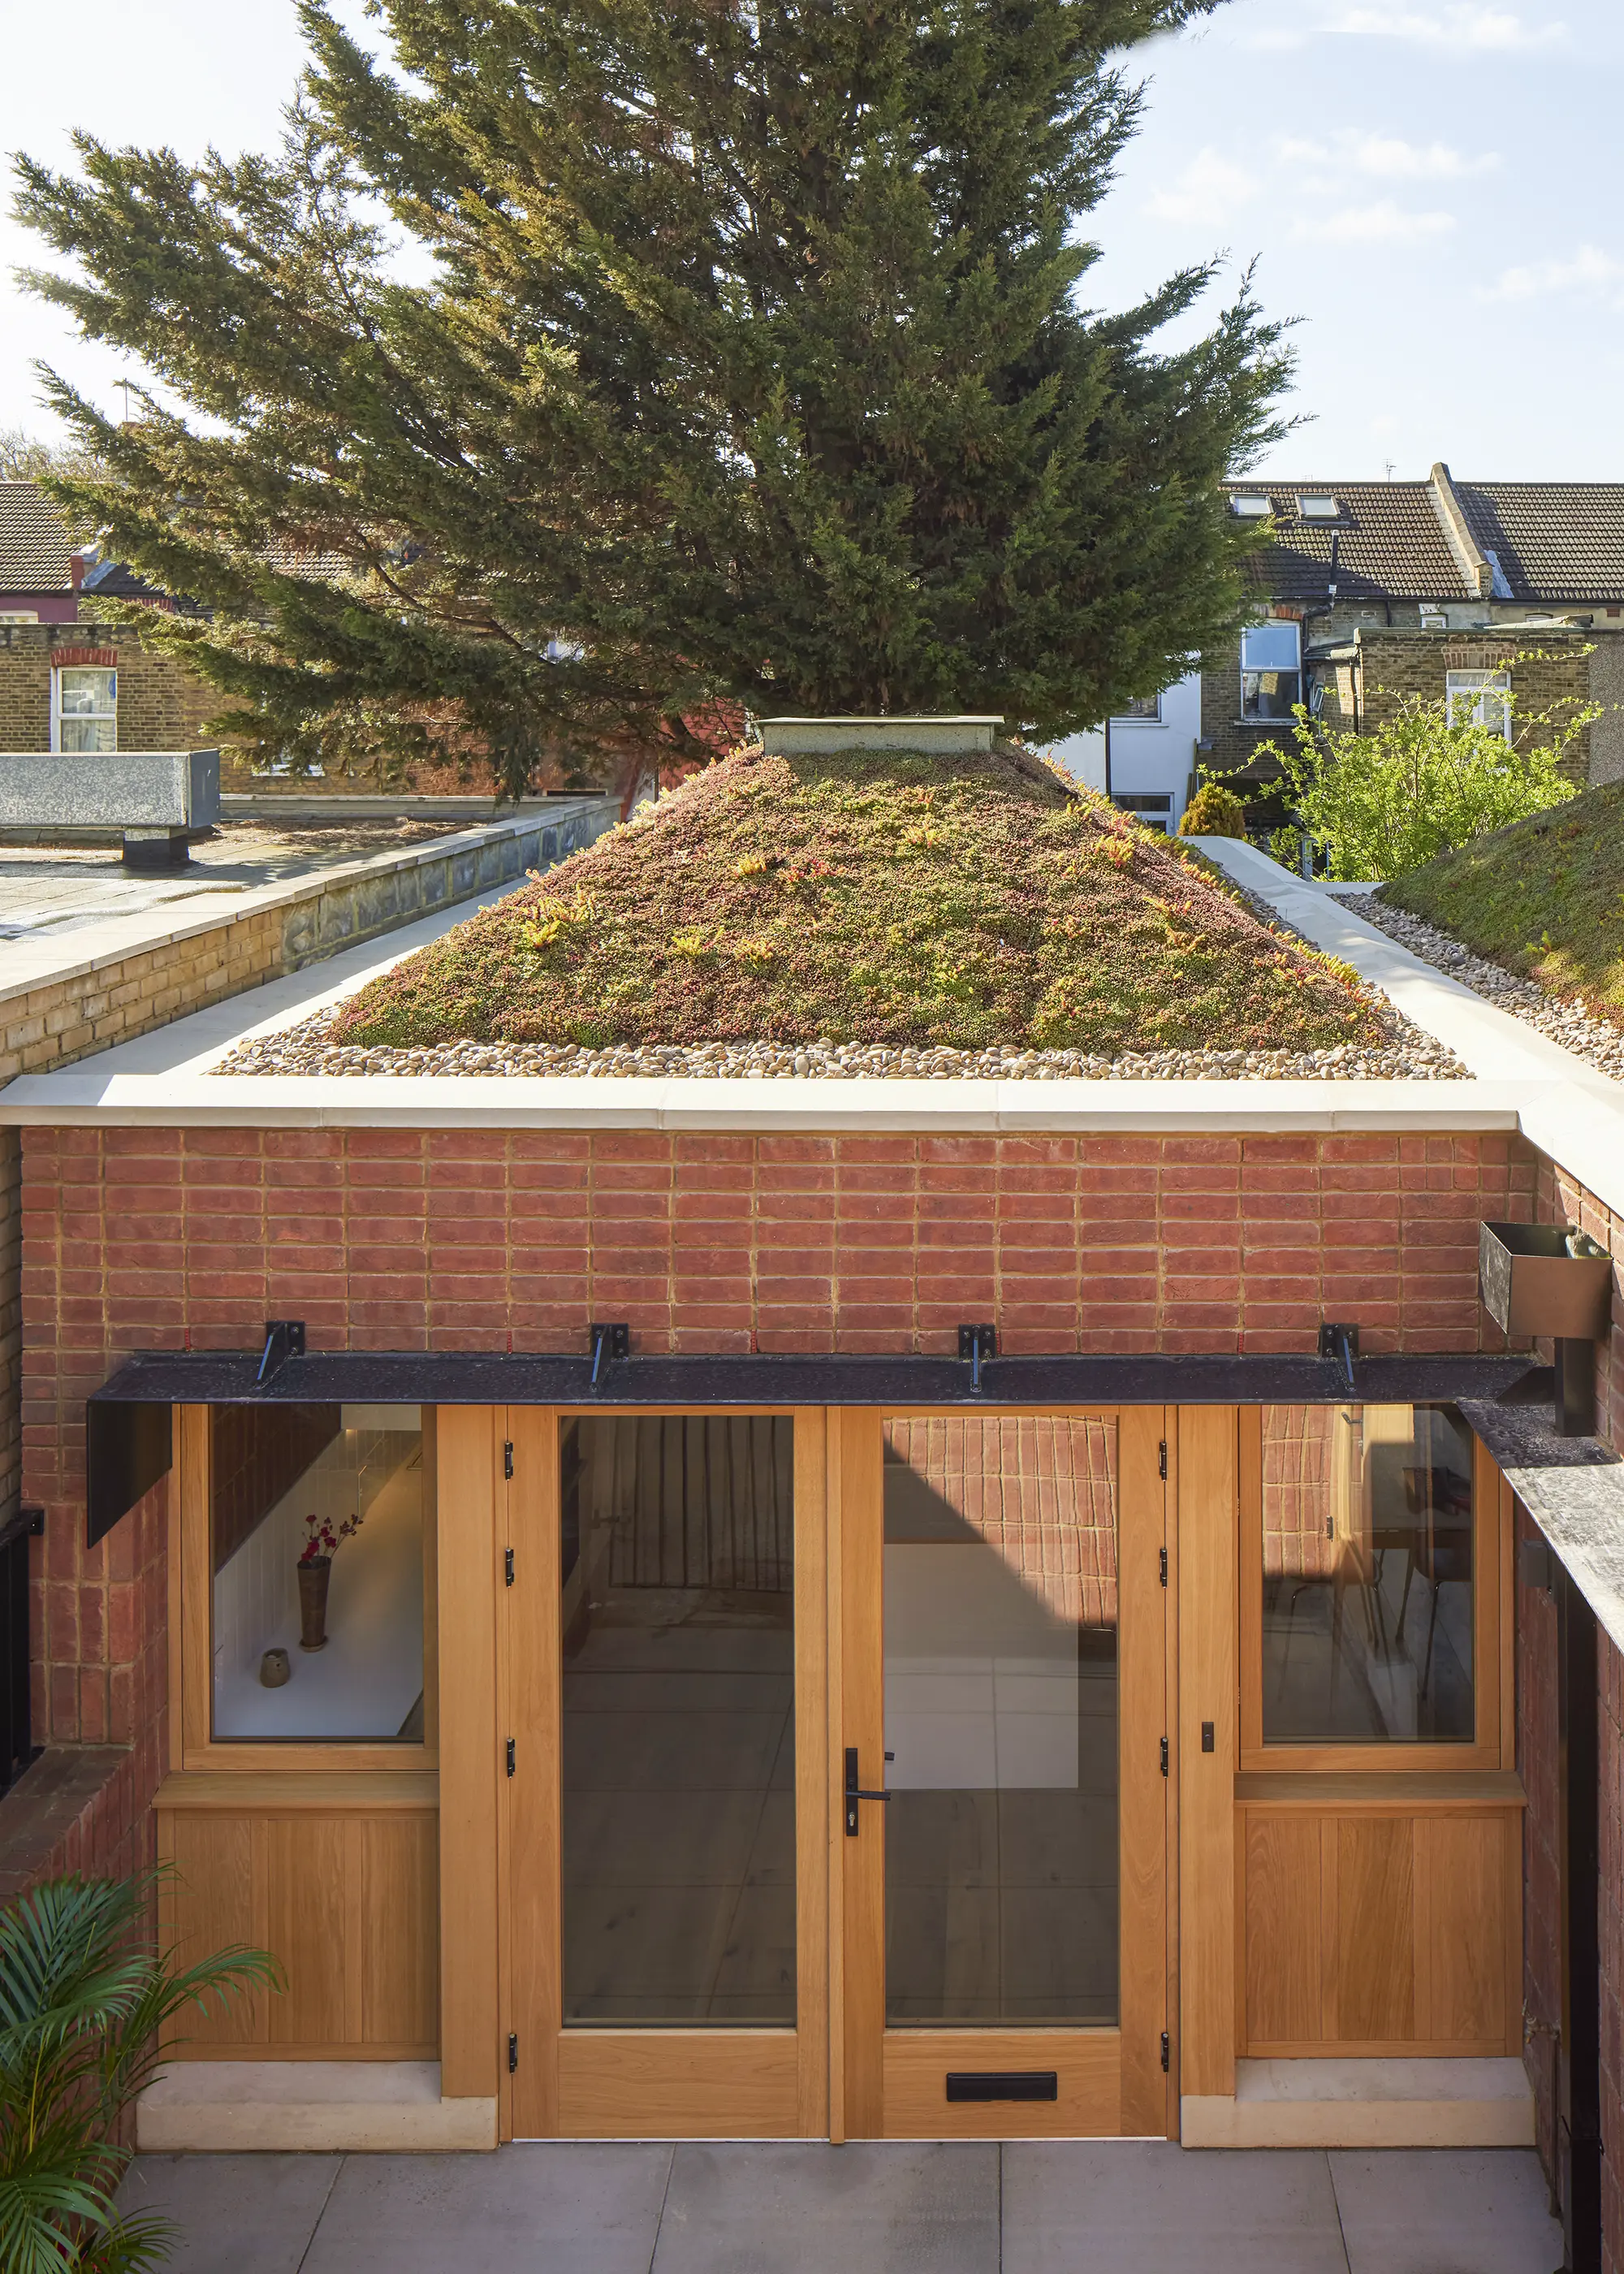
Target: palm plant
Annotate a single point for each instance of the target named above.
(86, 1995)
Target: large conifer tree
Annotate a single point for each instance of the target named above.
(751, 360)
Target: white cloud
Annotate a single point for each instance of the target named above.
(1385, 157)
(1381, 223)
(1588, 270)
(1210, 187)
(1467, 24)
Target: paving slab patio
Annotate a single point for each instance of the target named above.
(1088, 2207)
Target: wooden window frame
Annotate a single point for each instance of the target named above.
(192, 1743)
(1493, 1743)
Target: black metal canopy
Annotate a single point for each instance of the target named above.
(458, 1378)
(127, 1421)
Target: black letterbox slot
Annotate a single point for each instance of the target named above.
(1003, 2084)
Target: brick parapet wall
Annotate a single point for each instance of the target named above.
(71, 1016)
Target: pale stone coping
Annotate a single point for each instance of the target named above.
(88, 1094)
(29, 964)
(281, 2105)
(934, 736)
(1571, 1110)
(377, 805)
(1486, 2102)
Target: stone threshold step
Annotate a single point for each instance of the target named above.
(334, 2106)
(1366, 2103)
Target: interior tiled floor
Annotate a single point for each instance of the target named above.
(1106, 2207)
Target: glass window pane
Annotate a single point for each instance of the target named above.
(1367, 1575)
(678, 1682)
(1270, 646)
(1000, 1619)
(317, 1547)
(89, 735)
(83, 692)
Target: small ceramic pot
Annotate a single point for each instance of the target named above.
(313, 1579)
(275, 1669)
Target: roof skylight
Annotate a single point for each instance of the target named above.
(1318, 505)
(1250, 506)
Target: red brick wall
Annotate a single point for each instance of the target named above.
(1538, 1767)
(1610, 1686)
(143, 1239)
(1558, 1199)
(156, 1238)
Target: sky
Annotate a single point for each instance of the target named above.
(1428, 187)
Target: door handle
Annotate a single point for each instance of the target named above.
(854, 1793)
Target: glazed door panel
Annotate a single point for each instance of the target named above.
(667, 1837)
(1002, 1681)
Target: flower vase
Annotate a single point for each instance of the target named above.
(313, 1577)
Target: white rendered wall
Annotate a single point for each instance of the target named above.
(1150, 757)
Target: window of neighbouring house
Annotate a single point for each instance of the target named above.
(319, 1555)
(1141, 707)
(1154, 809)
(1479, 698)
(1271, 668)
(84, 708)
(1251, 507)
(1317, 506)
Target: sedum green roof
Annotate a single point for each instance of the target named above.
(873, 897)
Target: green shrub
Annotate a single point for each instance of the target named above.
(1214, 811)
(85, 1997)
(1378, 805)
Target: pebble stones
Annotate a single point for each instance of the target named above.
(1595, 1040)
(1406, 1055)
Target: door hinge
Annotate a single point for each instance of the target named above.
(510, 1756)
(507, 1567)
(1162, 1552)
(1167, 2052)
(1162, 1460)
(513, 2052)
(507, 1460)
(1164, 1757)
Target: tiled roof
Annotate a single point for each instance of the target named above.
(34, 544)
(1556, 541)
(1389, 540)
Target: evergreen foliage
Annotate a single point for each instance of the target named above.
(748, 362)
(1214, 811)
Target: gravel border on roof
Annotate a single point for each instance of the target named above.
(1597, 1040)
(1409, 1055)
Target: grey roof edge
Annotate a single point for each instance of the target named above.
(1572, 1489)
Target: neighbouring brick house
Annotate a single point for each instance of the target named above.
(1370, 590)
(61, 658)
(104, 682)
